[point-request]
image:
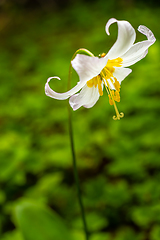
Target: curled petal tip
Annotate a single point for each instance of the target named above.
(61, 96)
(146, 31)
(47, 88)
(48, 91)
(52, 78)
(125, 39)
(110, 21)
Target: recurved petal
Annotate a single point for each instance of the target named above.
(86, 98)
(121, 73)
(146, 31)
(88, 67)
(140, 49)
(61, 96)
(126, 38)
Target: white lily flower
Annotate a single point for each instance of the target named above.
(108, 70)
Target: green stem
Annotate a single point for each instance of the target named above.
(76, 174)
(74, 156)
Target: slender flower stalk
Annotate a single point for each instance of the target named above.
(76, 174)
(74, 157)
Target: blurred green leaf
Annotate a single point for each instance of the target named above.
(155, 233)
(100, 236)
(12, 235)
(38, 222)
(126, 233)
(95, 222)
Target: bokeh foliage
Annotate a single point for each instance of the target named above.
(118, 161)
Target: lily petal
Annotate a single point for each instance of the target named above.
(61, 96)
(86, 98)
(140, 49)
(120, 74)
(88, 67)
(126, 38)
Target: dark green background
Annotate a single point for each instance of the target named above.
(118, 161)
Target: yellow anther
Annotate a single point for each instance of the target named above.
(117, 85)
(90, 83)
(111, 64)
(100, 86)
(103, 55)
(117, 62)
(94, 82)
(117, 96)
(110, 100)
(114, 95)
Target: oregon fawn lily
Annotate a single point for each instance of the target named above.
(108, 70)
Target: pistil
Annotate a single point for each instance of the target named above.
(119, 115)
(113, 95)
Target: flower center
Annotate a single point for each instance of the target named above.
(111, 83)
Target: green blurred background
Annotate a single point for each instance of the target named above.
(118, 161)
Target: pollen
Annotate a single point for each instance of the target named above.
(117, 85)
(94, 82)
(111, 83)
(103, 54)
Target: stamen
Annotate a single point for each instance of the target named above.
(108, 73)
(113, 96)
(115, 62)
(106, 76)
(100, 85)
(94, 82)
(110, 99)
(118, 115)
(103, 54)
(90, 83)
(117, 96)
(117, 85)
